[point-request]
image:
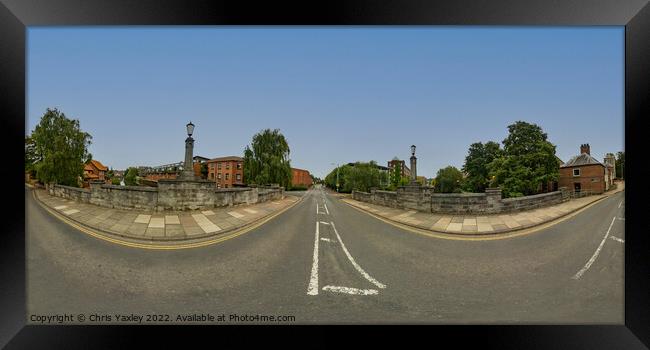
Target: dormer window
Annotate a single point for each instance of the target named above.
(576, 172)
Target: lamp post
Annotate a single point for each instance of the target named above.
(188, 169)
(414, 172)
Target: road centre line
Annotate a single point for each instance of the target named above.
(348, 290)
(354, 263)
(593, 257)
(312, 289)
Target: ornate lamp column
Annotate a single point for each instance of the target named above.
(414, 173)
(188, 169)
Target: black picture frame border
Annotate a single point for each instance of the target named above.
(17, 15)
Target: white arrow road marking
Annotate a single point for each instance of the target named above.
(354, 263)
(593, 257)
(327, 211)
(617, 239)
(349, 290)
(312, 289)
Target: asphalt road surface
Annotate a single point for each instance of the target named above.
(323, 261)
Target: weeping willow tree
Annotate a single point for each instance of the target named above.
(60, 149)
(266, 160)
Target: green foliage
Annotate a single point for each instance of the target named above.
(204, 170)
(396, 176)
(448, 180)
(363, 177)
(58, 149)
(528, 161)
(330, 179)
(115, 181)
(109, 174)
(266, 161)
(476, 165)
(130, 178)
(620, 165)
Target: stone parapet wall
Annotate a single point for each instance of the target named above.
(424, 200)
(74, 193)
(174, 195)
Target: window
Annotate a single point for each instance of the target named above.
(219, 166)
(576, 172)
(211, 175)
(238, 166)
(227, 165)
(227, 176)
(238, 177)
(219, 176)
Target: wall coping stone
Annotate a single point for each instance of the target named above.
(131, 188)
(73, 188)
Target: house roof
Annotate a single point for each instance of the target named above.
(91, 176)
(221, 159)
(89, 167)
(98, 165)
(583, 159)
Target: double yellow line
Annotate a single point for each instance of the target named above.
(130, 244)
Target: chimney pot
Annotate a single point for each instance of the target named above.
(584, 148)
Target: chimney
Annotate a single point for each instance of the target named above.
(584, 148)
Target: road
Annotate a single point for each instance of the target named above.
(323, 261)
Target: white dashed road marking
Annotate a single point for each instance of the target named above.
(251, 211)
(348, 290)
(71, 211)
(328, 240)
(617, 239)
(60, 207)
(207, 212)
(593, 257)
(326, 210)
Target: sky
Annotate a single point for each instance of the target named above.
(338, 94)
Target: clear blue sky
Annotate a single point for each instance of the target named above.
(339, 94)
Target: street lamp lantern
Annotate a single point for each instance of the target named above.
(190, 129)
(414, 175)
(413, 150)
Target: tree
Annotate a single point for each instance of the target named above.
(204, 170)
(528, 161)
(331, 178)
(620, 165)
(396, 176)
(110, 174)
(448, 180)
(266, 161)
(115, 181)
(31, 157)
(362, 177)
(476, 165)
(130, 179)
(60, 149)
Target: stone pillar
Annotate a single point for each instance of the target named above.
(188, 166)
(493, 199)
(414, 173)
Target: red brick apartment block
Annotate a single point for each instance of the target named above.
(226, 172)
(300, 178)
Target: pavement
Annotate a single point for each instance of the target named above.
(162, 226)
(324, 262)
(480, 224)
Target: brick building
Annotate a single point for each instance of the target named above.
(583, 173)
(406, 172)
(226, 172)
(300, 178)
(94, 170)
